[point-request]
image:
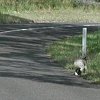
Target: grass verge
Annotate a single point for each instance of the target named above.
(68, 11)
(68, 49)
(61, 15)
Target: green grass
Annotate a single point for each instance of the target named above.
(39, 4)
(61, 15)
(35, 4)
(48, 11)
(68, 49)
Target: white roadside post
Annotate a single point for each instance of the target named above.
(84, 43)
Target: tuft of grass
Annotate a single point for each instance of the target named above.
(68, 49)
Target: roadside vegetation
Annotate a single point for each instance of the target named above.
(68, 49)
(68, 11)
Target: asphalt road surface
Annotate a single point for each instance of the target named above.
(28, 73)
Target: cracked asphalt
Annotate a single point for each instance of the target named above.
(28, 73)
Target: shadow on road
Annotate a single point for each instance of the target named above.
(22, 52)
(6, 19)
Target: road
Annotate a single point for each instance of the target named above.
(28, 73)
